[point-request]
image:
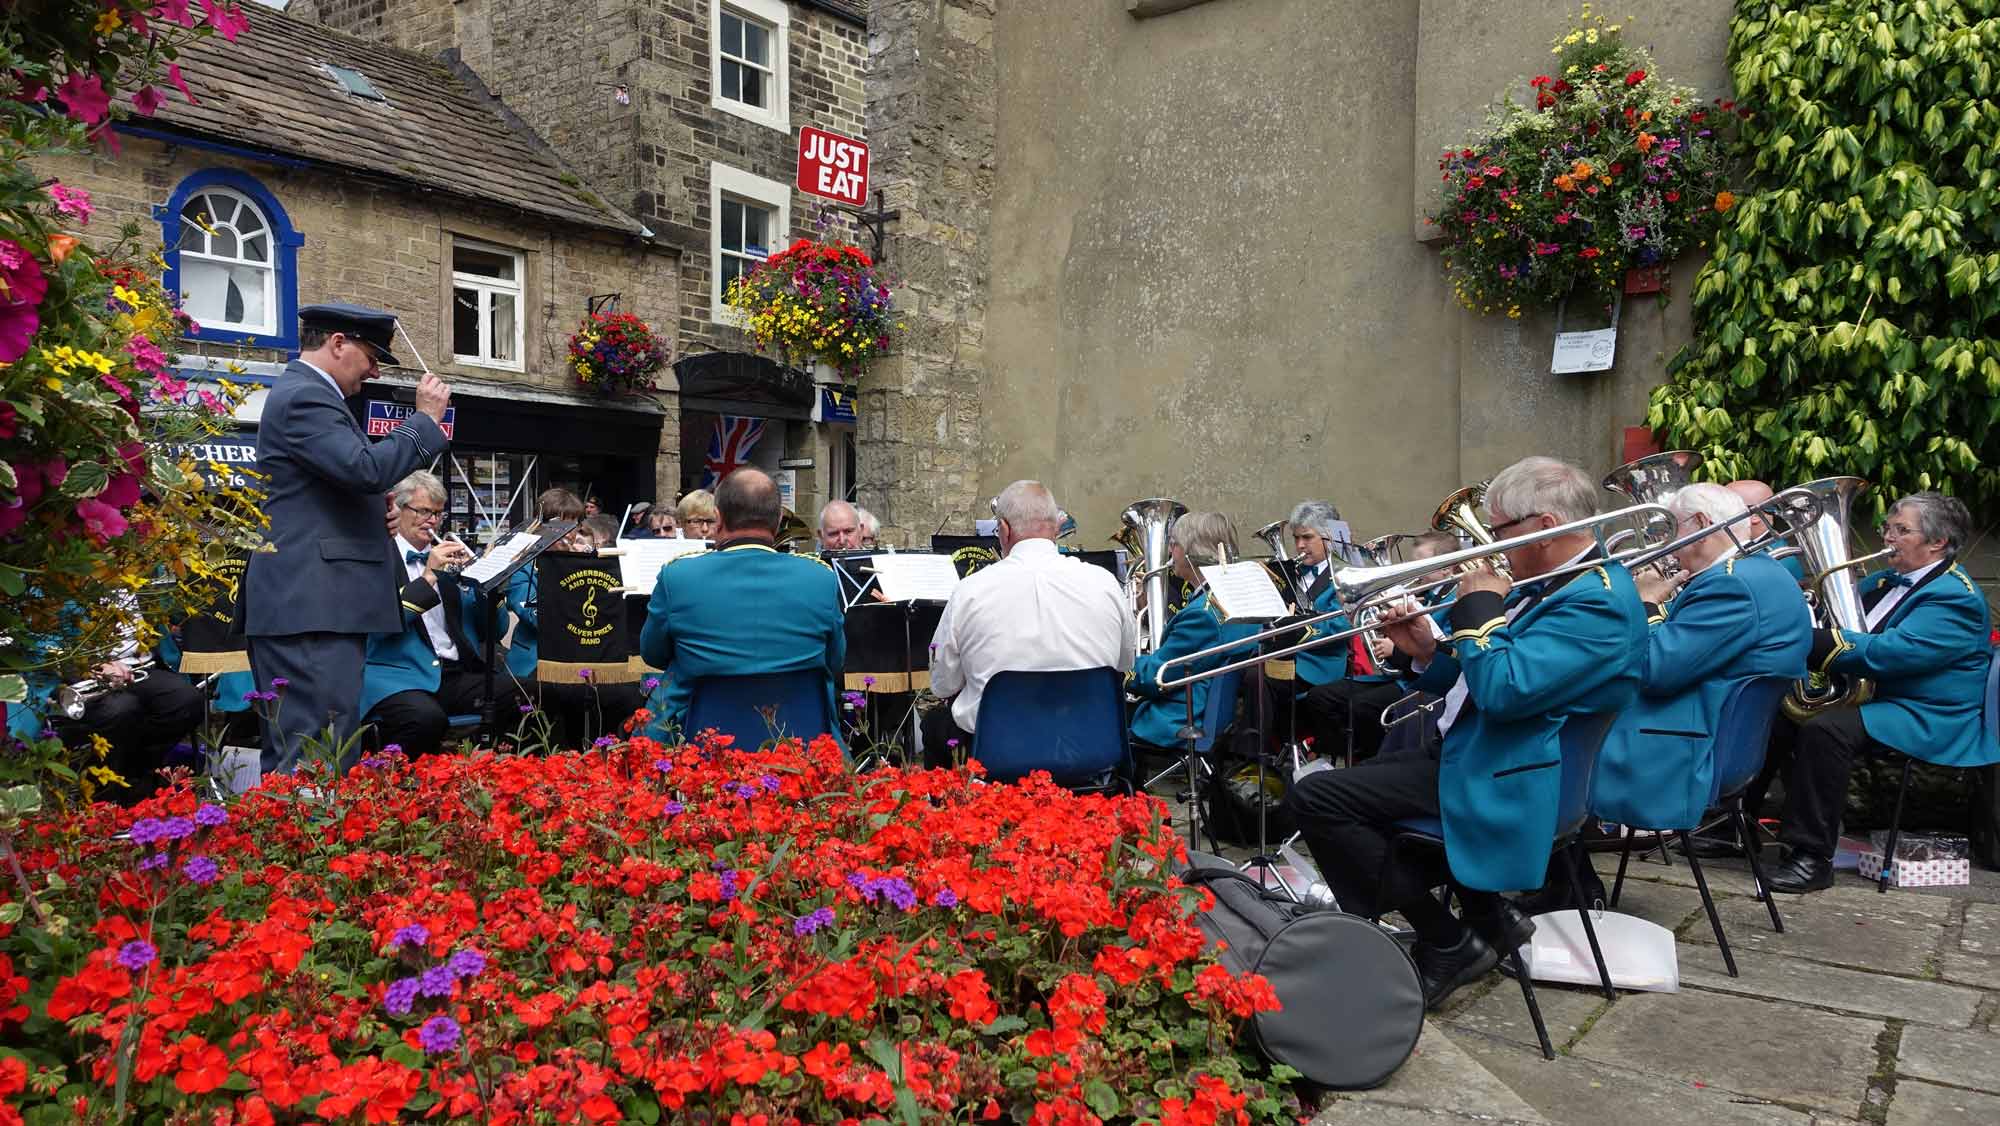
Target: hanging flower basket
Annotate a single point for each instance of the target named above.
(615, 353)
(1611, 170)
(818, 302)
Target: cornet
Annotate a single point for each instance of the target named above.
(74, 699)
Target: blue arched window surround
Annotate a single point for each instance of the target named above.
(285, 243)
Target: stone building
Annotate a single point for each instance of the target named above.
(685, 114)
(1176, 248)
(313, 166)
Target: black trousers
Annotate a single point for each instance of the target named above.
(1347, 818)
(1326, 708)
(324, 671)
(416, 720)
(940, 732)
(142, 722)
(1816, 784)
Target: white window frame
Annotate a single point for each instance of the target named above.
(724, 181)
(486, 286)
(268, 267)
(777, 16)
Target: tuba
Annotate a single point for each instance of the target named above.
(1651, 478)
(1147, 523)
(1823, 547)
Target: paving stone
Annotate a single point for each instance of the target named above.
(1725, 877)
(1962, 1059)
(1440, 1076)
(1924, 1104)
(1502, 1013)
(1669, 905)
(1355, 1112)
(1982, 970)
(1982, 930)
(1847, 926)
(1767, 1050)
(1791, 979)
(1571, 1090)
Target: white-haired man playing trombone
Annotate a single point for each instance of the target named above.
(1520, 661)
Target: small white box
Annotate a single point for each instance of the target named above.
(1918, 873)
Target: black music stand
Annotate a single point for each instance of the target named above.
(491, 591)
(883, 637)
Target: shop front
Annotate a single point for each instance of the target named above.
(739, 408)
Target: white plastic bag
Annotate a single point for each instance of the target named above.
(1639, 954)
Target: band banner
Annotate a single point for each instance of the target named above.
(582, 620)
(209, 639)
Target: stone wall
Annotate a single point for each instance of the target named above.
(931, 123)
(1204, 277)
(383, 247)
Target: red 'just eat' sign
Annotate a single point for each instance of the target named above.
(833, 166)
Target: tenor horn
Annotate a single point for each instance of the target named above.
(1149, 521)
(1824, 547)
(1459, 514)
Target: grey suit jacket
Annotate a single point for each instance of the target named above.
(335, 568)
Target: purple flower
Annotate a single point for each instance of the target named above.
(439, 1034)
(945, 898)
(603, 741)
(401, 997)
(650, 683)
(466, 963)
(435, 982)
(816, 921)
(728, 878)
(145, 831)
(526, 708)
(675, 808)
(663, 765)
(174, 828)
(200, 870)
(416, 934)
(392, 749)
(252, 696)
(136, 955)
(583, 674)
(280, 683)
(210, 816)
(157, 860)
(770, 782)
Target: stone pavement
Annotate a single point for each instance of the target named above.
(1880, 1009)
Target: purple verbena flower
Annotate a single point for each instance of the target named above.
(674, 809)
(945, 898)
(136, 955)
(435, 982)
(650, 683)
(416, 934)
(280, 683)
(157, 860)
(466, 963)
(200, 870)
(439, 1034)
(174, 828)
(145, 831)
(401, 997)
(603, 741)
(770, 782)
(210, 816)
(728, 878)
(816, 921)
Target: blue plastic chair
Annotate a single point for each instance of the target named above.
(1742, 734)
(1581, 739)
(758, 708)
(1069, 723)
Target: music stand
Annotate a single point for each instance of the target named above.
(489, 576)
(884, 636)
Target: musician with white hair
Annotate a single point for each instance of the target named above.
(1034, 610)
(1925, 646)
(1736, 618)
(1521, 662)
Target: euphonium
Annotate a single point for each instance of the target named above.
(1649, 480)
(1150, 521)
(1823, 547)
(1273, 535)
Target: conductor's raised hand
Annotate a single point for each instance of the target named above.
(433, 396)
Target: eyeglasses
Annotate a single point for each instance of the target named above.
(424, 514)
(1499, 530)
(1897, 530)
(374, 355)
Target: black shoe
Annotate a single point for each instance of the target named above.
(1506, 929)
(1801, 872)
(1444, 972)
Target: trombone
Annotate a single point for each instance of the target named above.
(1362, 589)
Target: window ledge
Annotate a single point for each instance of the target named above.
(773, 119)
(490, 365)
(1146, 9)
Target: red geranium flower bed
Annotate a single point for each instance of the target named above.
(690, 933)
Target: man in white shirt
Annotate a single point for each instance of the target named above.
(432, 669)
(1036, 610)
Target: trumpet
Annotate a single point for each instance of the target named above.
(1363, 590)
(74, 699)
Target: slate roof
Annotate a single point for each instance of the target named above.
(436, 130)
(853, 10)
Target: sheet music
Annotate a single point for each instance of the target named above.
(915, 577)
(1244, 592)
(499, 558)
(639, 565)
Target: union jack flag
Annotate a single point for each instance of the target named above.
(729, 446)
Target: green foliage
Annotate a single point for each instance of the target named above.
(1846, 321)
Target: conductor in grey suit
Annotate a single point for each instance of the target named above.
(310, 605)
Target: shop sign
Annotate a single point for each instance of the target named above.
(833, 166)
(384, 417)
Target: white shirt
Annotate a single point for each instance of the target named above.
(1880, 613)
(331, 382)
(441, 642)
(1035, 611)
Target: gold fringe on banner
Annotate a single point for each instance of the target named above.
(568, 672)
(203, 664)
(888, 681)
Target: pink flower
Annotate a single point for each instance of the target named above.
(227, 19)
(10, 420)
(174, 76)
(73, 202)
(174, 11)
(1547, 248)
(148, 100)
(103, 522)
(22, 285)
(122, 492)
(84, 96)
(146, 356)
(167, 388)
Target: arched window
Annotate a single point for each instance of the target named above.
(233, 257)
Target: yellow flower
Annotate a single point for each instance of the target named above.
(53, 384)
(108, 22)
